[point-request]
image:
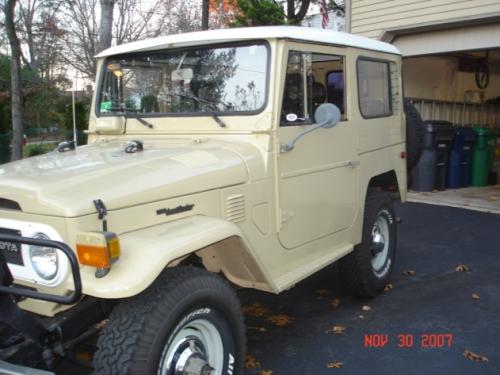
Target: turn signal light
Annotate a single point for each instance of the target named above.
(98, 249)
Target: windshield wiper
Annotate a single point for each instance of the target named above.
(130, 114)
(211, 105)
(144, 122)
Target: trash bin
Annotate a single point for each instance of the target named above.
(430, 171)
(483, 154)
(459, 159)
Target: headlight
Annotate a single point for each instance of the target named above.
(44, 259)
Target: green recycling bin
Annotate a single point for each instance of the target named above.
(483, 155)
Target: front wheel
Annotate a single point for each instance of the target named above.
(188, 322)
(368, 268)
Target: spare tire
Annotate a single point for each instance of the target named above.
(414, 135)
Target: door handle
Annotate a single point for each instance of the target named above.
(353, 163)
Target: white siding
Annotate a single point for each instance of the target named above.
(371, 17)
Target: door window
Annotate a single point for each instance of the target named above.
(311, 80)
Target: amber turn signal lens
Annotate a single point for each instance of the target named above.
(97, 256)
(97, 249)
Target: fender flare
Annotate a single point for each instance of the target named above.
(146, 253)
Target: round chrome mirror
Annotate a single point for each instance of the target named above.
(327, 115)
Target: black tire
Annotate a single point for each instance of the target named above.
(358, 273)
(142, 328)
(414, 135)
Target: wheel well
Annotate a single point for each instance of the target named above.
(386, 181)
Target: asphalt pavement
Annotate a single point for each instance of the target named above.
(433, 318)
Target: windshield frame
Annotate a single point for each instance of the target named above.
(244, 43)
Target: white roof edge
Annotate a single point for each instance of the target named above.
(248, 33)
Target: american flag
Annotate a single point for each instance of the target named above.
(324, 13)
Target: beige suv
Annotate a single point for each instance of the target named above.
(243, 157)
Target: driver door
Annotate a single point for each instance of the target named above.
(317, 179)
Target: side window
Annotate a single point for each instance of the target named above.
(335, 88)
(374, 88)
(311, 80)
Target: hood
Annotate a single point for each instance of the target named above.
(67, 183)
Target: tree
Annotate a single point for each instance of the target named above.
(296, 11)
(259, 13)
(38, 29)
(205, 5)
(106, 24)
(15, 76)
(338, 6)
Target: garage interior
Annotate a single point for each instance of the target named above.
(454, 75)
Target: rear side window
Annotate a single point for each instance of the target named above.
(374, 88)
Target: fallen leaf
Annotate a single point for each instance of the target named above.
(255, 310)
(366, 308)
(336, 330)
(388, 287)
(266, 372)
(251, 362)
(474, 357)
(409, 273)
(461, 268)
(83, 355)
(335, 302)
(281, 320)
(334, 365)
(475, 296)
(322, 293)
(493, 198)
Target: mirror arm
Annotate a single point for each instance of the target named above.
(290, 145)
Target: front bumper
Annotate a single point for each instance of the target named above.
(6, 277)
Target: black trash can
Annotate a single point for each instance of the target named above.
(430, 172)
(460, 158)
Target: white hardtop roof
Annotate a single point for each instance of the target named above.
(248, 33)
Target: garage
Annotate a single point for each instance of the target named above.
(452, 76)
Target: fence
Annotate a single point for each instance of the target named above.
(460, 114)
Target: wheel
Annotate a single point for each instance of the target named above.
(367, 269)
(188, 321)
(414, 135)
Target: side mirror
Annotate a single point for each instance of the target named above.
(326, 116)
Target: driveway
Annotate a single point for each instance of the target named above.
(430, 302)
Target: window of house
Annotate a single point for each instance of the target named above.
(374, 88)
(311, 80)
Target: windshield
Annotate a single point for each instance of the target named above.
(211, 80)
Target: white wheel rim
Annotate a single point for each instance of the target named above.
(379, 243)
(196, 349)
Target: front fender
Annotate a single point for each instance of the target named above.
(146, 252)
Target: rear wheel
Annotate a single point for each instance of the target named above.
(188, 322)
(368, 268)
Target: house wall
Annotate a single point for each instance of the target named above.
(371, 17)
(438, 78)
